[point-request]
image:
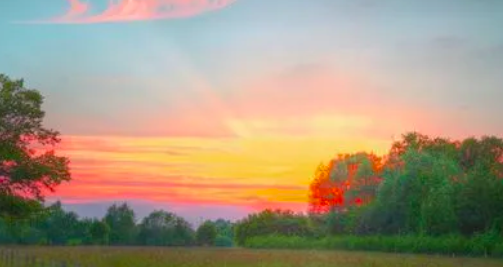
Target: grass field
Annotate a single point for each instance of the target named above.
(194, 257)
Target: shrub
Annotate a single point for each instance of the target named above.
(223, 241)
(486, 244)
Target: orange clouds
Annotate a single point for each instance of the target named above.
(175, 170)
(253, 173)
(135, 10)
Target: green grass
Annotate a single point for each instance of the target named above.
(209, 257)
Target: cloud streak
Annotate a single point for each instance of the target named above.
(258, 173)
(136, 10)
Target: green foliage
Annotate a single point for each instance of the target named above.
(56, 226)
(13, 207)
(225, 233)
(206, 234)
(223, 241)
(484, 245)
(435, 196)
(26, 172)
(99, 232)
(122, 222)
(427, 196)
(479, 200)
(410, 195)
(270, 222)
(162, 228)
(53, 226)
(224, 228)
(420, 173)
(60, 225)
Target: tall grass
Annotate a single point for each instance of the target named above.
(481, 245)
(217, 257)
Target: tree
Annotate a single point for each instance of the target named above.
(161, 228)
(99, 232)
(479, 202)
(184, 234)
(122, 222)
(346, 181)
(206, 234)
(225, 233)
(52, 226)
(224, 227)
(28, 164)
(61, 226)
(323, 192)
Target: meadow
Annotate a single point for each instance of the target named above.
(216, 257)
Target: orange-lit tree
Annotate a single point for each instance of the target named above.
(348, 180)
(323, 192)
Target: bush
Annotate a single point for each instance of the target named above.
(483, 244)
(447, 245)
(498, 250)
(223, 241)
(272, 222)
(74, 242)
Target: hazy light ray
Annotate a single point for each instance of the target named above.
(201, 87)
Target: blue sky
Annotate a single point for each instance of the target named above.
(432, 66)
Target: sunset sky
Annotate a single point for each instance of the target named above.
(223, 107)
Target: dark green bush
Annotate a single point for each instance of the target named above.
(223, 241)
(448, 245)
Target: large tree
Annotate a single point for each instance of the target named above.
(28, 164)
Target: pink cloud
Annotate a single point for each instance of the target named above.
(137, 10)
(77, 8)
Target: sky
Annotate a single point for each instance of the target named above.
(218, 108)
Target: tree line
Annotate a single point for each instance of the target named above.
(119, 227)
(435, 189)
